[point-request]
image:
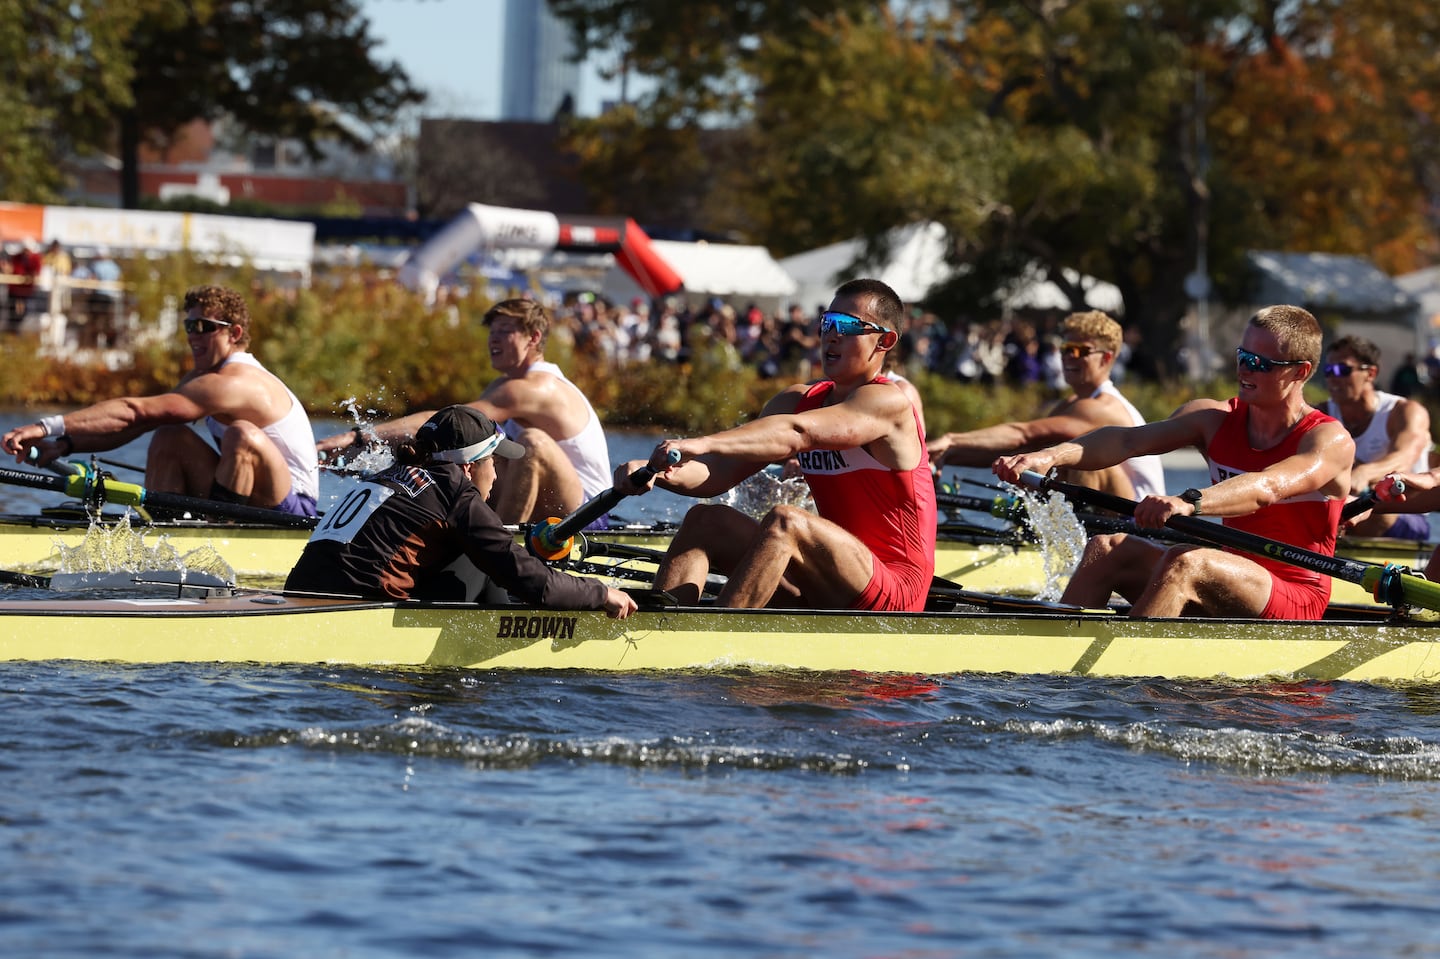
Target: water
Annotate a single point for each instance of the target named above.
(251, 811)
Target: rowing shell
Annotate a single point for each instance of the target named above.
(270, 628)
(263, 555)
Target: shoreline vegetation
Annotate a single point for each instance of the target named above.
(356, 337)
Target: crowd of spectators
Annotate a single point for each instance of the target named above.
(1018, 351)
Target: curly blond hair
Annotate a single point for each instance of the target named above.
(1093, 325)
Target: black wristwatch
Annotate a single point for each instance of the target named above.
(1192, 496)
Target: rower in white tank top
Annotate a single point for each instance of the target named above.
(291, 434)
(587, 450)
(1147, 473)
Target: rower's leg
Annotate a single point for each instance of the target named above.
(1112, 563)
(828, 564)
(711, 537)
(251, 466)
(1201, 581)
(538, 486)
(179, 461)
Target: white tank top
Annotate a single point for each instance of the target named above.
(1146, 473)
(291, 434)
(587, 450)
(1373, 442)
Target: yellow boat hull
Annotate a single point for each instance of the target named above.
(268, 628)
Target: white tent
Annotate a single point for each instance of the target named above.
(1033, 293)
(916, 263)
(1424, 287)
(730, 271)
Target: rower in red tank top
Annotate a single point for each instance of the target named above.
(1277, 468)
(860, 444)
(890, 511)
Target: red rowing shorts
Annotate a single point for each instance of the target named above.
(894, 590)
(1297, 600)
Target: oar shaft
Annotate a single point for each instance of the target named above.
(33, 480)
(1414, 589)
(84, 485)
(1003, 507)
(548, 539)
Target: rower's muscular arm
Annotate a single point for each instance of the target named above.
(1192, 425)
(876, 416)
(1321, 464)
(980, 447)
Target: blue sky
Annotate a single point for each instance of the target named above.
(452, 49)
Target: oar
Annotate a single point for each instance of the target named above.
(89, 485)
(554, 538)
(1001, 506)
(26, 580)
(1388, 584)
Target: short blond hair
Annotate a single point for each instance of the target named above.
(1295, 329)
(1094, 325)
(529, 315)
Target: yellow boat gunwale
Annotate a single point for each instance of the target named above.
(1360, 645)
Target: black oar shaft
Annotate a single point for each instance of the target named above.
(83, 484)
(1368, 575)
(548, 539)
(33, 480)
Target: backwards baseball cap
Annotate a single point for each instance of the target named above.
(462, 434)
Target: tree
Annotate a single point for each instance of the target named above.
(64, 67)
(301, 69)
(1117, 138)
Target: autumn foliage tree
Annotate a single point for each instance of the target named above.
(1120, 139)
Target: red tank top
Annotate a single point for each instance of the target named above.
(891, 511)
(1308, 521)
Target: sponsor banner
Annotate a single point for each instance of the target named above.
(269, 244)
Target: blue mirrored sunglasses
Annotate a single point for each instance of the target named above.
(1256, 363)
(847, 325)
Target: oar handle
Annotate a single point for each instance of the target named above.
(552, 539)
(1367, 500)
(1358, 505)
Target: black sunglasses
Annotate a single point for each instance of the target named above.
(1342, 369)
(203, 324)
(1256, 363)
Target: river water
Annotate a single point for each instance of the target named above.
(256, 811)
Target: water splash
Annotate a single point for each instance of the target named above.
(119, 547)
(1060, 537)
(758, 494)
(374, 454)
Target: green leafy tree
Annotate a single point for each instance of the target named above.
(63, 69)
(301, 69)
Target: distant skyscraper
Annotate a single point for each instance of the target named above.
(538, 74)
